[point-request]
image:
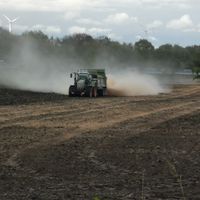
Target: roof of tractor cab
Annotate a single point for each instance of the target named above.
(98, 72)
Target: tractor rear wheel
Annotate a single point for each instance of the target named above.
(89, 92)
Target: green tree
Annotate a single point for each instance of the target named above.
(144, 50)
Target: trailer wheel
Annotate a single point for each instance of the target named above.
(94, 92)
(100, 93)
(104, 92)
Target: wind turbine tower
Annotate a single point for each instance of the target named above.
(146, 33)
(10, 22)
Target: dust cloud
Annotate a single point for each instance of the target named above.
(31, 80)
(29, 70)
(133, 83)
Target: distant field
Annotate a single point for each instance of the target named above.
(176, 78)
(55, 147)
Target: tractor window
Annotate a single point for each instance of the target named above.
(82, 76)
(94, 76)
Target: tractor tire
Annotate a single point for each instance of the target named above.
(89, 92)
(100, 93)
(71, 91)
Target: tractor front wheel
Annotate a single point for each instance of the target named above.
(72, 90)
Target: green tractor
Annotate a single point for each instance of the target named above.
(89, 83)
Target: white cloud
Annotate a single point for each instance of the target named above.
(152, 38)
(69, 5)
(179, 4)
(77, 29)
(114, 36)
(92, 31)
(49, 5)
(20, 28)
(95, 30)
(120, 18)
(117, 18)
(30, 5)
(134, 19)
(155, 24)
(184, 23)
(101, 16)
(71, 15)
(46, 29)
(53, 29)
(87, 21)
(138, 37)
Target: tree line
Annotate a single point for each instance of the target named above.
(98, 52)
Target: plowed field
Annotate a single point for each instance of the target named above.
(55, 147)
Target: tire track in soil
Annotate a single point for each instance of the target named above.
(118, 111)
(44, 109)
(52, 112)
(152, 118)
(127, 114)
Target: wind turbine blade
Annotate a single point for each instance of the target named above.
(14, 20)
(7, 18)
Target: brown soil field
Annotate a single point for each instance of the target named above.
(57, 148)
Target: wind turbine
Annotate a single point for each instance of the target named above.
(10, 22)
(146, 31)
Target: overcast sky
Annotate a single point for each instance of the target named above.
(160, 21)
